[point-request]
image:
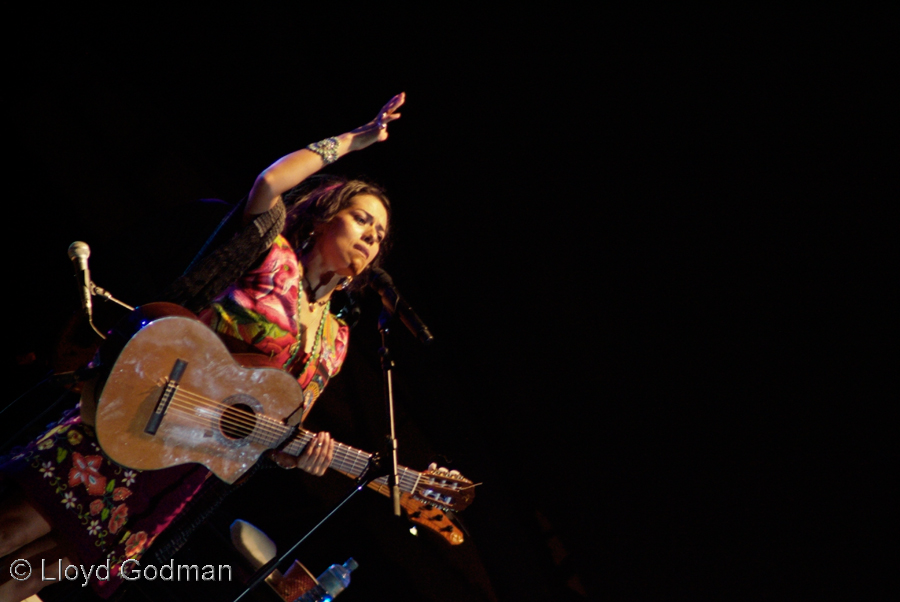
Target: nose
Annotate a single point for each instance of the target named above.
(369, 237)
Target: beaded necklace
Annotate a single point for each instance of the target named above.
(314, 386)
(314, 354)
(317, 382)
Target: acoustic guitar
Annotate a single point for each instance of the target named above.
(176, 395)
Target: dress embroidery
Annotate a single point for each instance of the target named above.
(107, 511)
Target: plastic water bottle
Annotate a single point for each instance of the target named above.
(332, 582)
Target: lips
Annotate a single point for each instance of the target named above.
(362, 249)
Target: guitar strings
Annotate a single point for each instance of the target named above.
(185, 401)
(241, 418)
(341, 458)
(237, 416)
(345, 458)
(253, 423)
(271, 431)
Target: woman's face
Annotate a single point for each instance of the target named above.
(351, 240)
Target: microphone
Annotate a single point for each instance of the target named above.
(395, 304)
(79, 253)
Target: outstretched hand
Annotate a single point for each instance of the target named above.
(376, 130)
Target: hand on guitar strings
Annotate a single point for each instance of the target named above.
(315, 459)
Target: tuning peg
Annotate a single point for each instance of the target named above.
(432, 466)
(454, 473)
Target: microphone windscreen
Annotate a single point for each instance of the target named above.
(379, 278)
(79, 249)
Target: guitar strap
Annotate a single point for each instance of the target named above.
(311, 392)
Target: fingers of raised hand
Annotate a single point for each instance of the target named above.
(376, 129)
(388, 114)
(394, 103)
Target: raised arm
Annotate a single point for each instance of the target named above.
(291, 169)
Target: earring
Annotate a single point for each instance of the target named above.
(345, 283)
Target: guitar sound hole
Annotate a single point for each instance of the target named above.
(237, 421)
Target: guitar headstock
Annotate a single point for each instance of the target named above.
(432, 518)
(445, 489)
(425, 514)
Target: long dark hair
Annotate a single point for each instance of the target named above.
(316, 200)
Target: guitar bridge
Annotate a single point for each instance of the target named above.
(168, 393)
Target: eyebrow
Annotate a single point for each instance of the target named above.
(372, 219)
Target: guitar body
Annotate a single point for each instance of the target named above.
(198, 425)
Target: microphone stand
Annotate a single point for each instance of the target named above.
(371, 472)
(94, 290)
(387, 363)
(99, 292)
(86, 372)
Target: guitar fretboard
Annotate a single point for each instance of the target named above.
(353, 462)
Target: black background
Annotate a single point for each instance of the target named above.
(648, 246)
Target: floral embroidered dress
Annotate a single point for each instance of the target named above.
(107, 512)
(112, 513)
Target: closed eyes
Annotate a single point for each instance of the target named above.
(363, 219)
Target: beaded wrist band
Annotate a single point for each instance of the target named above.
(327, 149)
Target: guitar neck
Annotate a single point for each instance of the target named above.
(353, 462)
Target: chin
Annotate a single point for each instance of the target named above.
(355, 268)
